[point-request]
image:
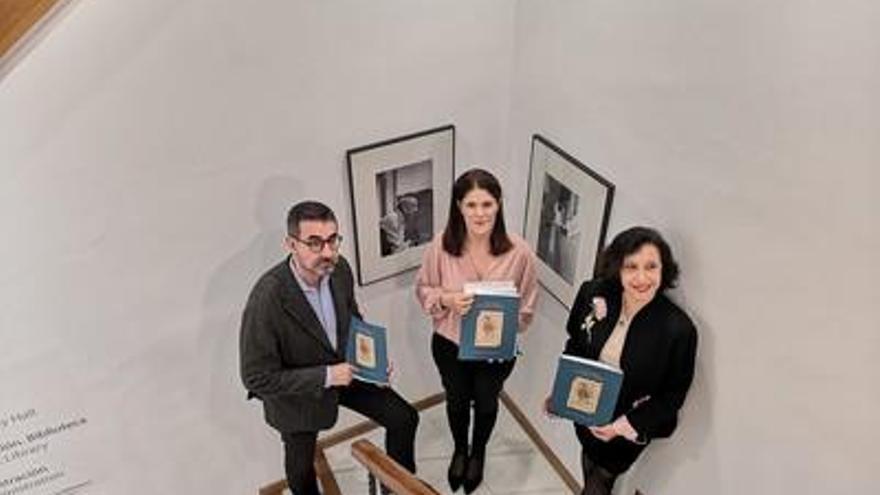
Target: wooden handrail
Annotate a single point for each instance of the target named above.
(388, 471)
(274, 488)
(325, 475)
(17, 17)
(365, 427)
(323, 471)
(539, 442)
(328, 481)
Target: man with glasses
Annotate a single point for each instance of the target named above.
(292, 349)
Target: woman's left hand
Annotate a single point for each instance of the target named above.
(620, 427)
(605, 432)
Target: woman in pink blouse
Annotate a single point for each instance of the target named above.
(474, 247)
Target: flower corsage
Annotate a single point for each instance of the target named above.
(597, 313)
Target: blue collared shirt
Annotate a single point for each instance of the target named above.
(321, 300)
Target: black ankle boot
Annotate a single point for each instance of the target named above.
(474, 474)
(456, 469)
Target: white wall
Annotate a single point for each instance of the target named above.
(747, 132)
(149, 151)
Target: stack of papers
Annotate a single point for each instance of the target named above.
(493, 287)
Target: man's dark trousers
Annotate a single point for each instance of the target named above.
(382, 405)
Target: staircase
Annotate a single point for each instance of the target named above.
(21, 22)
(362, 466)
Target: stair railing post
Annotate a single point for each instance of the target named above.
(374, 490)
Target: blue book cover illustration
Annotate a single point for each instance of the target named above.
(488, 329)
(585, 390)
(367, 351)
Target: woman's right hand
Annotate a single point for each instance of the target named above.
(459, 302)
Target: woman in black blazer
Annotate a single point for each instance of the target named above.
(624, 319)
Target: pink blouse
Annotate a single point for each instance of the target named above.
(442, 272)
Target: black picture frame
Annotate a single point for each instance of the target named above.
(400, 190)
(567, 211)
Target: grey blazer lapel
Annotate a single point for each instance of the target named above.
(299, 307)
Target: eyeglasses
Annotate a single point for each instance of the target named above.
(316, 244)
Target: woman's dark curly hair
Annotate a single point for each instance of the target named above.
(628, 242)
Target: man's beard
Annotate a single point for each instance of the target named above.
(325, 266)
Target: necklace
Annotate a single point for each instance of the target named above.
(624, 317)
(629, 311)
(481, 273)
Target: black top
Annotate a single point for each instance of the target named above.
(657, 358)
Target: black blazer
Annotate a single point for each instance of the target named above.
(657, 359)
(284, 350)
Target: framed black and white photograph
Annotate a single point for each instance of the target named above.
(566, 218)
(400, 190)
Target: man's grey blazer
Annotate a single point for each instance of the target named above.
(284, 350)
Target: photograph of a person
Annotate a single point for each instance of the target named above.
(405, 200)
(566, 217)
(399, 191)
(558, 236)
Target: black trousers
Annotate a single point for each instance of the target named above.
(603, 462)
(615, 456)
(597, 480)
(468, 383)
(381, 404)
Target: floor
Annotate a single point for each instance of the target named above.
(513, 465)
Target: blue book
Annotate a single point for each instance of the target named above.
(488, 329)
(585, 390)
(367, 351)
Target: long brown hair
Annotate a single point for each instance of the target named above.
(456, 231)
